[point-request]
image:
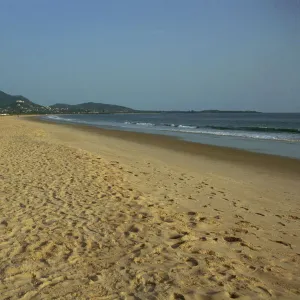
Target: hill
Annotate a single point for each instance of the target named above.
(18, 104)
(91, 107)
(10, 104)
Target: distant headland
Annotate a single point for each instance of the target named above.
(216, 111)
(10, 104)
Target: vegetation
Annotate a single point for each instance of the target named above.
(20, 105)
(90, 107)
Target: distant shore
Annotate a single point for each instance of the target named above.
(143, 112)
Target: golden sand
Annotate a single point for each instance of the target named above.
(85, 215)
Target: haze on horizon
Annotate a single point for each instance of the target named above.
(164, 55)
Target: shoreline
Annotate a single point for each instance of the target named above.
(251, 159)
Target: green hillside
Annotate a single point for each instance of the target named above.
(92, 107)
(18, 104)
(7, 100)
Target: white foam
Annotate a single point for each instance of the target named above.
(250, 135)
(186, 126)
(139, 123)
(187, 129)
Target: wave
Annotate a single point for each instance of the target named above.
(257, 129)
(161, 124)
(53, 117)
(224, 128)
(244, 135)
(139, 123)
(62, 119)
(254, 132)
(187, 126)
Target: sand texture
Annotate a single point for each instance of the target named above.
(88, 216)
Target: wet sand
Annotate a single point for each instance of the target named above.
(96, 214)
(238, 156)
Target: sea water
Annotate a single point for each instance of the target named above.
(272, 133)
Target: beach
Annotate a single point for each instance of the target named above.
(269, 133)
(88, 213)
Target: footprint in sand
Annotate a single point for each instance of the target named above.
(232, 239)
(260, 214)
(283, 243)
(176, 236)
(245, 208)
(177, 245)
(192, 262)
(177, 296)
(294, 217)
(282, 224)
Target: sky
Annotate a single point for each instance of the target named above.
(153, 54)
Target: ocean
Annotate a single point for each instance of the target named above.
(272, 133)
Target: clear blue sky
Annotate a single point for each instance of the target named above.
(153, 54)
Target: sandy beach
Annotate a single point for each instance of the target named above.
(95, 214)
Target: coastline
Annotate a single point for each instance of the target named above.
(251, 159)
(87, 216)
